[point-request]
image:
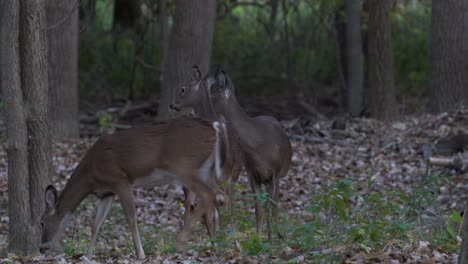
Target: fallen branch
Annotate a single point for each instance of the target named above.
(459, 161)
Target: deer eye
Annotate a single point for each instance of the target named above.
(182, 90)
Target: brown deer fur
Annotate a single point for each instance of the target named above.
(267, 149)
(183, 149)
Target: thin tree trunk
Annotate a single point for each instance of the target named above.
(63, 67)
(164, 38)
(190, 43)
(449, 54)
(34, 83)
(339, 33)
(126, 14)
(354, 57)
(18, 176)
(381, 100)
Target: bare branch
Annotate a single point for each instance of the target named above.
(75, 6)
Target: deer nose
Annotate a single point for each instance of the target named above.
(43, 249)
(174, 107)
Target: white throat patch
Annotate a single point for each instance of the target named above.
(227, 93)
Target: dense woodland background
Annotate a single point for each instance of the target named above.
(367, 91)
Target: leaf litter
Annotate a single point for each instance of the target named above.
(391, 153)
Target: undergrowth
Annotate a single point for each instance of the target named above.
(343, 218)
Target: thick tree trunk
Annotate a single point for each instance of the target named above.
(34, 83)
(354, 57)
(23, 48)
(18, 176)
(381, 96)
(190, 43)
(449, 54)
(63, 67)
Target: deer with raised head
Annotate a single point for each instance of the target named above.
(266, 147)
(187, 150)
(204, 108)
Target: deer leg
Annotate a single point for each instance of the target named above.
(104, 204)
(272, 204)
(257, 190)
(128, 203)
(189, 204)
(230, 191)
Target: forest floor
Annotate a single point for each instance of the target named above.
(362, 194)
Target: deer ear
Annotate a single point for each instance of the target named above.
(196, 74)
(222, 79)
(50, 197)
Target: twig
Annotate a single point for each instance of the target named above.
(75, 6)
(147, 65)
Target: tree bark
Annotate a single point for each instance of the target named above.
(18, 184)
(62, 33)
(339, 33)
(23, 49)
(190, 43)
(34, 83)
(381, 96)
(164, 37)
(449, 54)
(354, 57)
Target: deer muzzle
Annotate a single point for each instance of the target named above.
(175, 107)
(43, 248)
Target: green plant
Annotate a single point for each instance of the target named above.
(106, 124)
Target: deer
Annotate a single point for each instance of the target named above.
(234, 161)
(187, 150)
(266, 147)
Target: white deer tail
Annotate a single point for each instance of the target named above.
(217, 161)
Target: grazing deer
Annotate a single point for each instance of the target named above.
(187, 150)
(199, 102)
(267, 149)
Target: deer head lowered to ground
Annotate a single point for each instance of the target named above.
(267, 149)
(192, 96)
(190, 151)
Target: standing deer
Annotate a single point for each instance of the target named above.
(187, 150)
(267, 149)
(201, 107)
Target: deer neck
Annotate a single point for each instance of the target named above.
(205, 108)
(241, 122)
(73, 194)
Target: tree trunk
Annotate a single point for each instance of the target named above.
(449, 54)
(381, 96)
(18, 180)
(23, 42)
(190, 43)
(63, 67)
(354, 57)
(34, 83)
(126, 14)
(164, 37)
(339, 33)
